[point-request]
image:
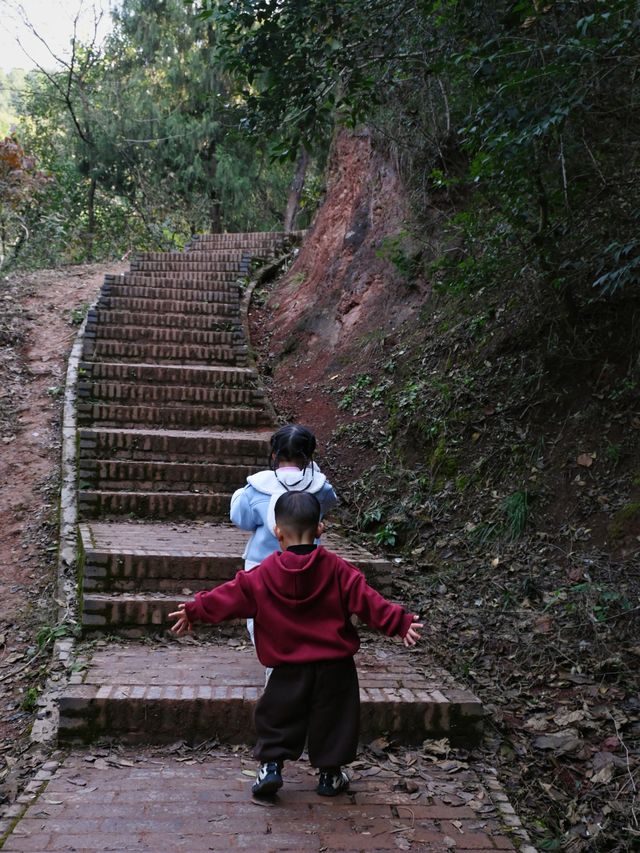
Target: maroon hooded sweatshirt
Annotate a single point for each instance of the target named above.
(301, 604)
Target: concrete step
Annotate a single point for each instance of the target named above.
(235, 447)
(168, 417)
(153, 505)
(142, 694)
(124, 475)
(167, 375)
(171, 396)
(128, 556)
(155, 306)
(148, 352)
(210, 322)
(207, 293)
(114, 332)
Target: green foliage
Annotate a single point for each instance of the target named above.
(521, 115)
(142, 136)
(599, 602)
(303, 64)
(77, 315)
(387, 535)
(398, 251)
(50, 633)
(12, 84)
(30, 701)
(515, 510)
(21, 183)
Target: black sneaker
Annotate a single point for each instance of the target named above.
(332, 782)
(268, 780)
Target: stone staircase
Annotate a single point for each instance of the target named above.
(172, 419)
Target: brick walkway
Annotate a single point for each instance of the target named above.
(156, 802)
(172, 419)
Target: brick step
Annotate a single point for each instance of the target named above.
(238, 447)
(142, 694)
(92, 503)
(114, 332)
(180, 417)
(225, 279)
(171, 396)
(210, 322)
(184, 264)
(241, 239)
(153, 292)
(155, 476)
(216, 254)
(167, 375)
(158, 306)
(128, 557)
(161, 353)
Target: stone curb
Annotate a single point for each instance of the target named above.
(32, 790)
(45, 727)
(516, 830)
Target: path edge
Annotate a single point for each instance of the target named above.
(45, 727)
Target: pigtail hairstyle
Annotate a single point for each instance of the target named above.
(294, 443)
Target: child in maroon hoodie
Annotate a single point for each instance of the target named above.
(301, 599)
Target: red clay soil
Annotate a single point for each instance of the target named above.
(38, 322)
(341, 301)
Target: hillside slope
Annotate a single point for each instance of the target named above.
(492, 442)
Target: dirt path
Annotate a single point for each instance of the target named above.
(39, 315)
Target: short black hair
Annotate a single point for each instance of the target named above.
(299, 512)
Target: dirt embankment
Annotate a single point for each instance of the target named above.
(342, 300)
(492, 446)
(39, 316)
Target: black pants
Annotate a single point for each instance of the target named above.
(318, 702)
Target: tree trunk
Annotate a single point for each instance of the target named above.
(215, 206)
(215, 213)
(91, 211)
(295, 192)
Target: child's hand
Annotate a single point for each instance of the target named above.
(413, 635)
(182, 625)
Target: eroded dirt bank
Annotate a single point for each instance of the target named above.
(39, 317)
(492, 446)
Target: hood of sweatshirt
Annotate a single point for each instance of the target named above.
(276, 483)
(297, 579)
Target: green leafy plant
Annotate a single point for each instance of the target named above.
(50, 633)
(30, 701)
(387, 535)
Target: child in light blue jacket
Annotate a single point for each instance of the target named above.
(292, 469)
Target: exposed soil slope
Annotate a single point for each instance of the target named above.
(493, 444)
(39, 314)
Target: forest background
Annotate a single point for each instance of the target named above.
(485, 289)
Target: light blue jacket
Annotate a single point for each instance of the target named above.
(252, 506)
